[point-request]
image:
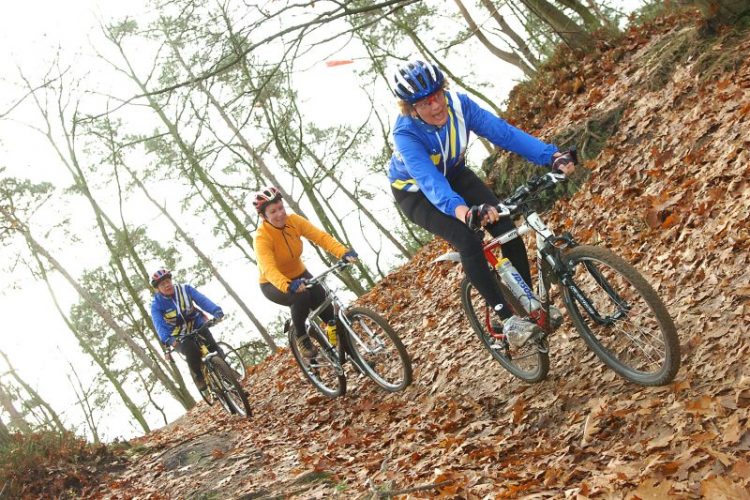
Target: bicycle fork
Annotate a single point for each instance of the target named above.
(622, 306)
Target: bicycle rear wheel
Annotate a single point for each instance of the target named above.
(323, 370)
(234, 360)
(628, 326)
(530, 362)
(378, 349)
(231, 388)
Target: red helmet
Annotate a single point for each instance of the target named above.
(160, 275)
(264, 197)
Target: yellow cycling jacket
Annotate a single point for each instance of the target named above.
(279, 250)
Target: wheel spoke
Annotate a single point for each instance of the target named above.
(529, 362)
(641, 343)
(378, 349)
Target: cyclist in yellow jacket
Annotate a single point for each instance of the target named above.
(278, 248)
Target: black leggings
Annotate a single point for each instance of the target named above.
(300, 303)
(422, 212)
(192, 352)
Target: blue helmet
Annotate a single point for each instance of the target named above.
(416, 80)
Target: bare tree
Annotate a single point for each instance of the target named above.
(504, 55)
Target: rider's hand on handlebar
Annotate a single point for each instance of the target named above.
(297, 286)
(564, 162)
(481, 215)
(350, 256)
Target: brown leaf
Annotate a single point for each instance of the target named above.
(720, 488)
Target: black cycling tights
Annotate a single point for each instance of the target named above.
(192, 352)
(300, 303)
(422, 212)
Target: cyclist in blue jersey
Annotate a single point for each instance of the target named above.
(174, 311)
(435, 190)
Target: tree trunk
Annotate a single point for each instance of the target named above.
(503, 55)
(83, 402)
(568, 30)
(91, 352)
(195, 165)
(590, 21)
(722, 12)
(16, 418)
(34, 397)
(523, 47)
(4, 434)
(265, 171)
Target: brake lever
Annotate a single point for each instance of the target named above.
(503, 210)
(557, 177)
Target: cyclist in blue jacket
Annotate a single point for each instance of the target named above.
(435, 190)
(174, 311)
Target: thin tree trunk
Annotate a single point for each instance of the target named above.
(4, 434)
(568, 30)
(35, 398)
(16, 418)
(265, 171)
(505, 28)
(83, 402)
(503, 55)
(195, 165)
(88, 349)
(590, 21)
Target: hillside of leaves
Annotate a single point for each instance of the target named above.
(670, 191)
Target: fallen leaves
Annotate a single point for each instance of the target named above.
(669, 192)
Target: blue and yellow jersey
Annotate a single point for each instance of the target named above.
(426, 157)
(178, 313)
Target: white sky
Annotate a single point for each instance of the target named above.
(35, 338)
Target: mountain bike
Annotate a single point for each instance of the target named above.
(234, 359)
(361, 336)
(222, 381)
(615, 310)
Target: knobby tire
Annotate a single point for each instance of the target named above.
(231, 388)
(324, 371)
(529, 363)
(641, 344)
(378, 350)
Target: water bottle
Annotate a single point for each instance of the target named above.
(331, 332)
(520, 289)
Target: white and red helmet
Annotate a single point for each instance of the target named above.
(264, 197)
(160, 275)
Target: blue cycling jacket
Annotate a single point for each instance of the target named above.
(426, 157)
(178, 314)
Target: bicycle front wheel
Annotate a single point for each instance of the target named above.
(620, 316)
(530, 362)
(234, 360)
(231, 388)
(378, 349)
(322, 368)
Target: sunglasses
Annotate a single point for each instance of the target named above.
(428, 101)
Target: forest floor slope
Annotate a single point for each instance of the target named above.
(671, 193)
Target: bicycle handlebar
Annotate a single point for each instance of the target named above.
(209, 323)
(509, 205)
(341, 264)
